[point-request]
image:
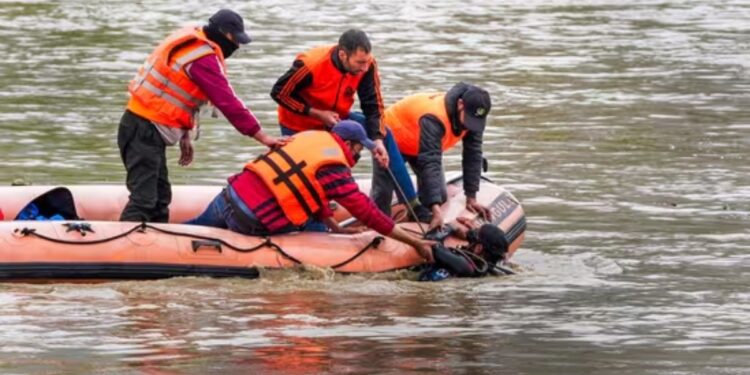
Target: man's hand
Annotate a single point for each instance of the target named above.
(473, 206)
(271, 142)
(380, 153)
(437, 218)
(465, 222)
(329, 118)
(186, 151)
(424, 248)
(462, 226)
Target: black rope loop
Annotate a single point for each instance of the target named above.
(32, 232)
(142, 227)
(372, 245)
(485, 266)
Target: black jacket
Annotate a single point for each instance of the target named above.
(428, 165)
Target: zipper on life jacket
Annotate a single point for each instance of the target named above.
(338, 92)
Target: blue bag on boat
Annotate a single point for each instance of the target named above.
(30, 212)
(55, 204)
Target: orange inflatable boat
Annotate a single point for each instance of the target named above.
(99, 247)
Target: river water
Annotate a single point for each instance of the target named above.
(622, 126)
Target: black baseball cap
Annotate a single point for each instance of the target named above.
(477, 105)
(227, 21)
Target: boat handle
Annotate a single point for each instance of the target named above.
(197, 244)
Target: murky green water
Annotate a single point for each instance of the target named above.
(622, 126)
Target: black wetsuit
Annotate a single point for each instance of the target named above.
(451, 263)
(461, 262)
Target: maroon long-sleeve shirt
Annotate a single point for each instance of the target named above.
(207, 73)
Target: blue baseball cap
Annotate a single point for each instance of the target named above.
(353, 131)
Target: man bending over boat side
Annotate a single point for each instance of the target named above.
(289, 189)
(183, 73)
(425, 126)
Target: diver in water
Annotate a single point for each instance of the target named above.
(487, 246)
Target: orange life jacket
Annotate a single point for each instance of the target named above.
(161, 91)
(403, 120)
(289, 172)
(330, 90)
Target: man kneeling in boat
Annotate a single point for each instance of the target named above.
(487, 245)
(289, 188)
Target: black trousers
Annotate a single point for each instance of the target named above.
(143, 152)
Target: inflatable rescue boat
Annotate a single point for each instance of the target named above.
(82, 239)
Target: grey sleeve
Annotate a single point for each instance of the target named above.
(472, 163)
(430, 161)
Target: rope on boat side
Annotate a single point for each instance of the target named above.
(267, 242)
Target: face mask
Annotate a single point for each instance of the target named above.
(227, 46)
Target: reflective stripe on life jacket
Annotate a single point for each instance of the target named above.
(331, 89)
(162, 92)
(290, 172)
(403, 120)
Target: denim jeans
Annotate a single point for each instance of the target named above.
(396, 163)
(287, 132)
(221, 214)
(213, 215)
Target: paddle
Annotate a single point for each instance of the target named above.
(406, 200)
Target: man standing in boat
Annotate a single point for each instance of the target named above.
(289, 189)
(183, 73)
(424, 127)
(318, 91)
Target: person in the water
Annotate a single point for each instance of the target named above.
(487, 245)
